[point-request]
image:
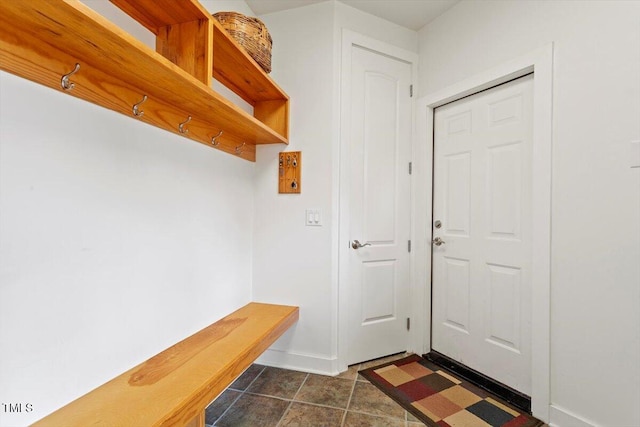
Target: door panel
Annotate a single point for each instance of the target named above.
(457, 187)
(456, 277)
(380, 144)
(504, 167)
(378, 291)
(482, 194)
(379, 205)
(504, 306)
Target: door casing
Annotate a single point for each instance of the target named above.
(540, 62)
(349, 40)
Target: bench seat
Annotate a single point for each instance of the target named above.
(174, 387)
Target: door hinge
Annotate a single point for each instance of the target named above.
(409, 245)
(410, 91)
(410, 167)
(408, 323)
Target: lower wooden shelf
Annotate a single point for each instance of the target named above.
(175, 386)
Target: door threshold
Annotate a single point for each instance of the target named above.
(510, 395)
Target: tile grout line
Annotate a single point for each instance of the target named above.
(353, 387)
(242, 392)
(366, 381)
(228, 407)
(292, 399)
(319, 405)
(346, 410)
(252, 381)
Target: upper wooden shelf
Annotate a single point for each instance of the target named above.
(233, 66)
(155, 15)
(43, 39)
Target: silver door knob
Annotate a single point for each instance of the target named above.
(438, 241)
(357, 245)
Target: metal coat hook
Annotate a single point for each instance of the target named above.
(64, 81)
(181, 127)
(239, 148)
(136, 107)
(214, 140)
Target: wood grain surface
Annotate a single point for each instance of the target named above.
(44, 39)
(174, 387)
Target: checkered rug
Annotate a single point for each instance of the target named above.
(439, 399)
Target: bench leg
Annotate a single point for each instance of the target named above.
(197, 421)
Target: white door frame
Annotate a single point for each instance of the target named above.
(540, 62)
(349, 40)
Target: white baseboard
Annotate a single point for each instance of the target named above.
(314, 364)
(560, 417)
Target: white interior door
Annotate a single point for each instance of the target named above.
(481, 289)
(379, 205)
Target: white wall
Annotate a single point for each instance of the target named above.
(117, 240)
(293, 263)
(595, 282)
(347, 17)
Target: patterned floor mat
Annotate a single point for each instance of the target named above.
(439, 398)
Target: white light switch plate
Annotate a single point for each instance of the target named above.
(313, 217)
(635, 154)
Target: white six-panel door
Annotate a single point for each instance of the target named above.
(379, 200)
(481, 287)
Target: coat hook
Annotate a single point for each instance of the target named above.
(181, 127)
(239, 148)
(214, 140)
(65, 83)
(136, 107)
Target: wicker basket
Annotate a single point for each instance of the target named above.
(251, 34)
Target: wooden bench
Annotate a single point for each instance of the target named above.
(175, 386)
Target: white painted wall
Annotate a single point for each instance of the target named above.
(350, 18)
(595, 281)
(117, 240)
(293, 263)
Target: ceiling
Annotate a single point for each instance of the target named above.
(412, 14)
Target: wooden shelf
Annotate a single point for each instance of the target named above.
(234, 68)
(231, 64)
(175, 386)
(44, 39)
(155, 15)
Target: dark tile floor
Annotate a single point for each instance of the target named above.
(273, 397)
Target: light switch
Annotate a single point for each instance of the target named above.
(313, 217)
(635, 154)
